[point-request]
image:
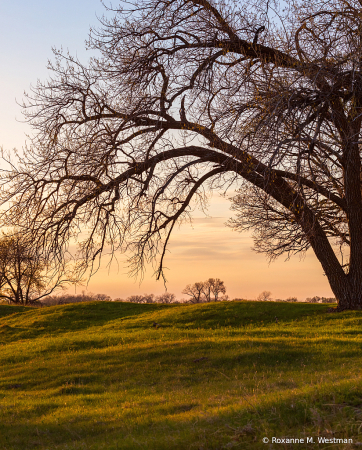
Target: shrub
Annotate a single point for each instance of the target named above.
(317, 299)
(166, 297)
(265, 296)
(291, 299)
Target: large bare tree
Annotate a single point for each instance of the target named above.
(188, 96)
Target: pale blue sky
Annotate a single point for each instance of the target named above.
(28, 31)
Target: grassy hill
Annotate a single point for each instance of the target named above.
(215, 376)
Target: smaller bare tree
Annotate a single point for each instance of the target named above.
(195, 291)
(205, 291)
(265, 296)
(217, 287)
(26, 276)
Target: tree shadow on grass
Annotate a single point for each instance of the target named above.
(7, 310)
(31, 323)
(92, 370)
(188, 426)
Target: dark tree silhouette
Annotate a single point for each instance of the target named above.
(265, 296)
(212, 288)
(26, 276)
(205, 291)
(195, 291)
(196, 95)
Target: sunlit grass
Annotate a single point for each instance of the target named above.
(224, 375)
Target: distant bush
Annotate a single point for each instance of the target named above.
(291, 299)
(317, 299)
(167, 297)
(265, 296)
(328, 300)
(145, 298)
(312, 300)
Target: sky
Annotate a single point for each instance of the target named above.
(28, 31)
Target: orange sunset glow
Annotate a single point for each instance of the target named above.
(208, 248)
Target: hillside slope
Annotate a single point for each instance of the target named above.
(216, 376)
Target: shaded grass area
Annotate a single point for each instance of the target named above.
(212, 376)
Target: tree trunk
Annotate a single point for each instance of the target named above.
(347, 288)
(348, 294)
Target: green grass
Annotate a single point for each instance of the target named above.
(216, 376)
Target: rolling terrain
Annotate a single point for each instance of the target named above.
(110, 376)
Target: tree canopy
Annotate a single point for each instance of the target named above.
(188, 96)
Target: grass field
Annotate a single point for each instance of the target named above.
(212, 376)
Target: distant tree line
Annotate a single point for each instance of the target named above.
(64, 299)
(266, 296)
(166, 298)
(210, 290)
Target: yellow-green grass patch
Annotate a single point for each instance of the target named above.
(213, 376)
